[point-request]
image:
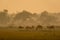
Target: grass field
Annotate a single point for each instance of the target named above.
(16, 34)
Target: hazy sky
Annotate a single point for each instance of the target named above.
(30, 5)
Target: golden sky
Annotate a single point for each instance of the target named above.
(30, 5)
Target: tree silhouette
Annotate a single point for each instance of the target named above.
(47, 18)
(4, 17)
(22, 15)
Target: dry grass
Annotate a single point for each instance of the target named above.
(12, 34)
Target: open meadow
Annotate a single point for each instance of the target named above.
(16, 34)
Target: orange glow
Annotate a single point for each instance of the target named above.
(30, 5)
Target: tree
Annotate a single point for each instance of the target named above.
(22, 15)
(4, 18)
(22, 18)
(47, 19)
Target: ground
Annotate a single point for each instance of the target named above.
(17, 34)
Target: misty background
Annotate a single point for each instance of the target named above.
(26, 18)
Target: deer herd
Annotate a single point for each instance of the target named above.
(38, 27)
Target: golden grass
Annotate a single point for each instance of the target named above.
(10, 34)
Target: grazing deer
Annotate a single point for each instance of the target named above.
(21, 27)
(29, 28)
(50, 27)
(39, 27)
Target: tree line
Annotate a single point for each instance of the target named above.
(26, 18)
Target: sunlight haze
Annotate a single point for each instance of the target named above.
(30, 5)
